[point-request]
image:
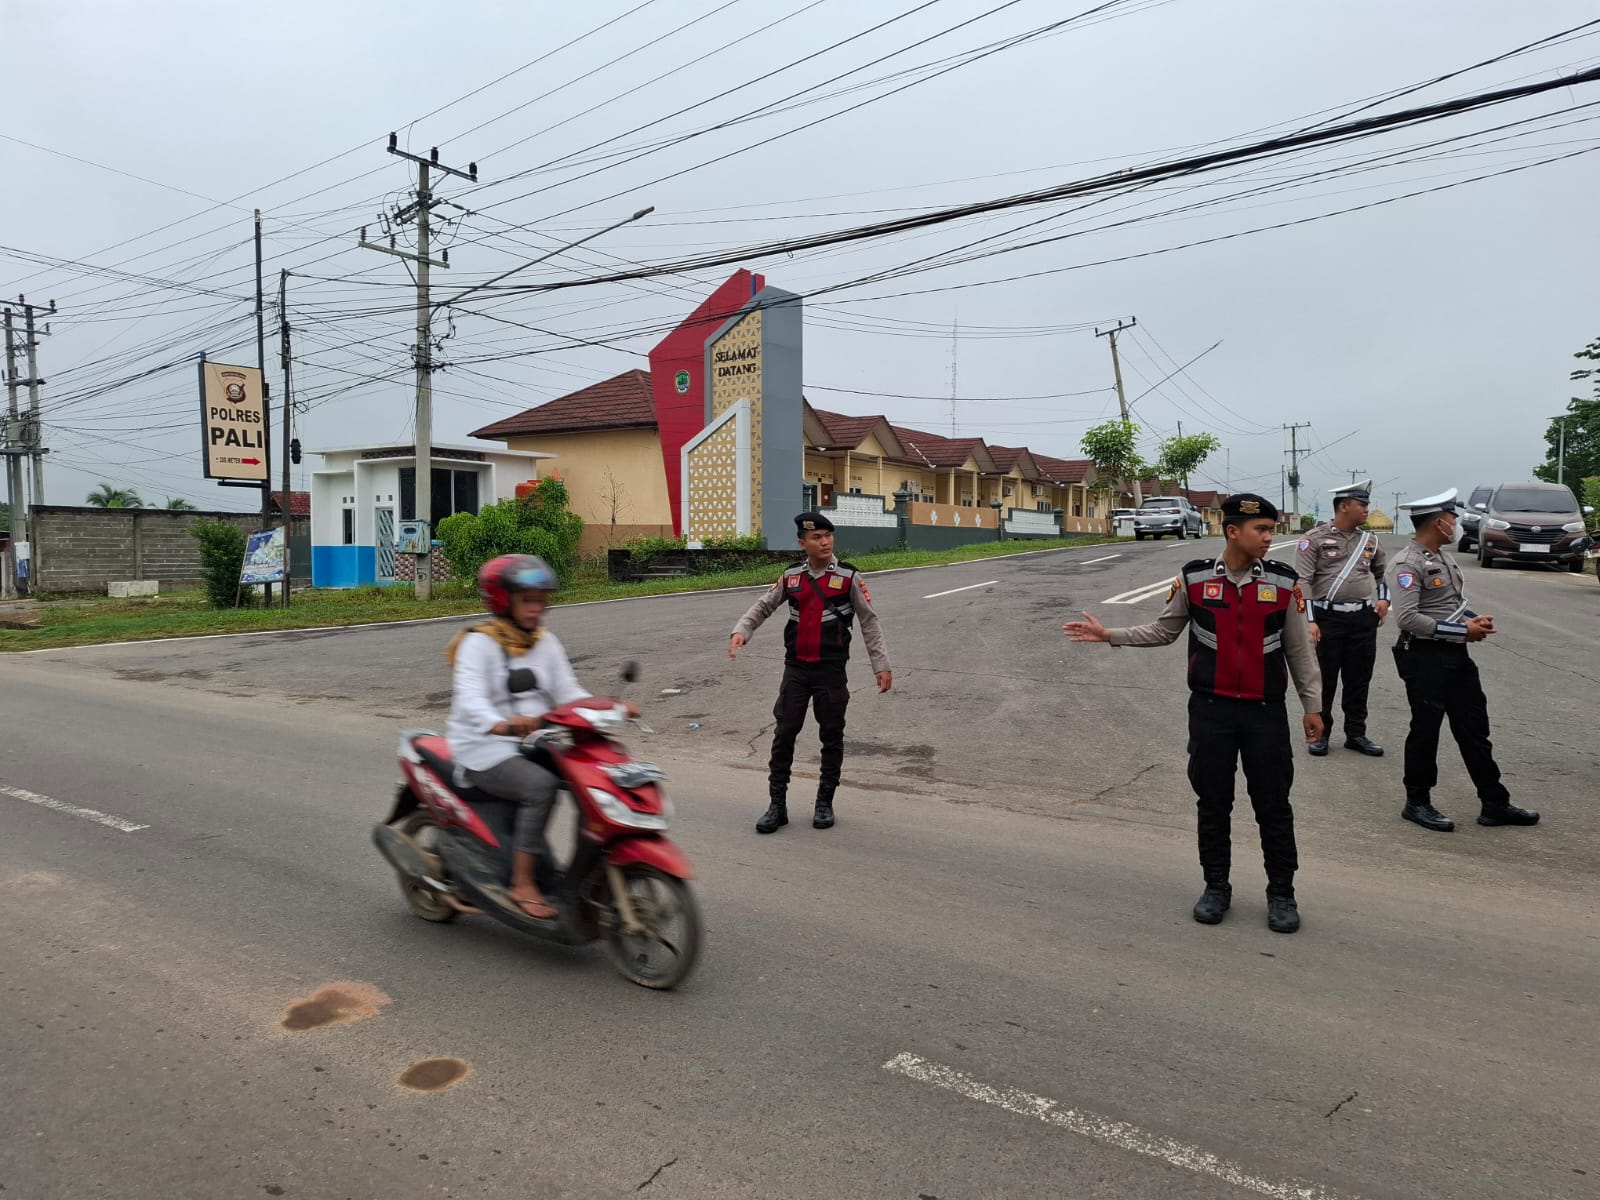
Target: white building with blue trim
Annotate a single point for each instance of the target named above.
(361, 494)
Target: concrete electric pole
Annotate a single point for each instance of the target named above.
(1122, 399)
(1294, 452)
(422, 210)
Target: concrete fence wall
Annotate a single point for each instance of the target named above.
(83, 549)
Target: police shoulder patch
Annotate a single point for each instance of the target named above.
(1299, 599)
(1305, 543)
(1177, 586)
(1405, 579)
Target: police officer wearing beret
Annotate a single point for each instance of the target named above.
(1247, 635)
(1440, 677)
(1341, 566)
(825, 598)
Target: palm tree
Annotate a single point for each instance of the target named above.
(106, 496)
(179, 504)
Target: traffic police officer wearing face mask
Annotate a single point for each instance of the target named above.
(1340, 565)
(1245, 616)
(825, 598)
(1430, 605)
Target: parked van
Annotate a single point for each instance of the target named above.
(1532, 522)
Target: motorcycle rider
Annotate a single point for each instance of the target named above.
(506, 674)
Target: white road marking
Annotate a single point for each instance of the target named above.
(1148, 591)
(1103, 1129)
(71, 809)
(1140, 593)
(968, 588)
(1091, 562)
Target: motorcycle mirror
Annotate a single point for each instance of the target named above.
(630, 671)
(522, 679)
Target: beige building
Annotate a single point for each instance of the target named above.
(608, 452)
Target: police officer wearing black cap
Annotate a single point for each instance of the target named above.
(1246, 618)
(1340, 566)
(1440, 677)
(825, 598)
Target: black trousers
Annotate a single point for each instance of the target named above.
(1347, 649)
(1223, 733)
(1442, 681)
(822, 688)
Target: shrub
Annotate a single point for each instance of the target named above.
(221, 561)
(752, 541)
(539, 523)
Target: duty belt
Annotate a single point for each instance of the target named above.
(1343, 606)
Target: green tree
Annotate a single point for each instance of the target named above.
(106, 496)
(1583, 428)
(5, 515)
(1182, 454)
(221, 560)
(1590, 495)
(1114, 449)
(539, 523)
(179, 504)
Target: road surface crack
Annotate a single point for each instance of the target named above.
(654, 1173)
(1329, 1114)
(758, 733)
(1137, 775)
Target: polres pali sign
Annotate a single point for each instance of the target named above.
(233, 422)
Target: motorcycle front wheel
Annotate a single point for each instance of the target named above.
(662, 957)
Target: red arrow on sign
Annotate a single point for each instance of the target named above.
(251, 462)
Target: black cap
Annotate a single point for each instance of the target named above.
(806, 522)
(1247, 506)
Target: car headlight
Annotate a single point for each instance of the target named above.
(1493, 524)
(1573, 527)
(619, 812)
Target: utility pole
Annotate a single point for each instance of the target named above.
(1561, 452)
(1122, 399)
(11, 447)
(288, 453)
(1294, 452)
(33, 431)
(422, 209)
(1394, 517)
(266, 408)
(1355, 472)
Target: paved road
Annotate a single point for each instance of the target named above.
(1001, 915)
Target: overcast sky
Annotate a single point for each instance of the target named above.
(1424, 340)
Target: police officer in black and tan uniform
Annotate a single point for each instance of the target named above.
(1430, 605)
(825, 598)
(1245, 616)
(1340, 565)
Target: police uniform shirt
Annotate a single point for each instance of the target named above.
(866, 617)
(1324, 564)
(1174, 620)
(1430, 595)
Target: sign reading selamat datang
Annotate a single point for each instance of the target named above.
(233, 422)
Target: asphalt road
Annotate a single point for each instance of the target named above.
(983, 983)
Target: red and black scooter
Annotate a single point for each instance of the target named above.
(624, 882)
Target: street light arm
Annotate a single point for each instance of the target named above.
(459, 296)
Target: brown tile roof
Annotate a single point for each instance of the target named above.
(299, 503)
(930, 448)
(846, 431)
(1200, 499)
(622, 402)
(1064, 470)
(1005, 457)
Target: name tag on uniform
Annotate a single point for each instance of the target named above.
(1266, 593)
(1212, 590)
(835, 582)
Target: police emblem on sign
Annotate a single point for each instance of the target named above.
(681, 382)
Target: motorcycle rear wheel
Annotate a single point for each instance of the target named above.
(663, 958)
(422, 900)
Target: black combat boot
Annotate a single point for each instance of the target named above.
(1215, 901)
(823, 817)
(1318, 748)
(1282, 914)
(1507, 814)
(1420, 812)
(777, 814)
(1365, 745)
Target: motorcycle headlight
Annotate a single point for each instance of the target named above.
(616, 810)
(1493, 524)
(1573, 527)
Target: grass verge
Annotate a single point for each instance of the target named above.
(91, 620)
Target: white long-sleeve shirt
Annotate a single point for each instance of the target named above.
(481, 699)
